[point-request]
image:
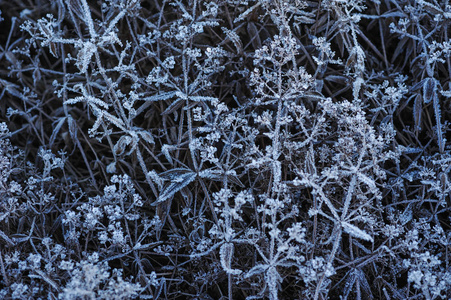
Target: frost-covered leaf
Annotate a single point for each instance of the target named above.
(56, 130)
(177, 183)
(122, 143)
(147, 136)
(6, 239)
(226, 255)
(429, 7)
(203, 99)
(368, 181)
(429, 89)
(160, 96)
(246, 13)
(257, 269)
(175, 173)
(111, 168)
(417, 111)
(211, 174)
(447, 94)
(356, 232)
(93, 101)
(85, 55)
(174, 106)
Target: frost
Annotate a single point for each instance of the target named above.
(167, 149)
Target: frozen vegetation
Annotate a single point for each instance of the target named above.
(225, 149)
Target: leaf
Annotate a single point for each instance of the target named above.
(202, 98)
(356, 232)
(364, 284)
(174, 106)
(111, 168)
(56, 130)
(253, 33)
(84, 56)
(234, 37)
(246, 13)
(337, 79)
(147, 136)
(235, 180)
(174, 173)
(177, 184)
(92, 101)
(258, 269)
(350, 281)
(361, 247)
(74, 100)
(447, 94)
(160, 97)
(409, 150)
(226, 256)
(417, 85)
(429, 89)
(165, 150)
(120, 146)
(400, 48)
(304, 20)
(11, 88)
(46, 278)
(73, 128)
(4, 216)
(392, 14)
(211, 173)
(114, 120)
(417, 110)
(431, 8)
(310, 161)
(76, 8)
(6, 239)
(441, 140)
(320, 24)
(368, 181)
(406, 215)
(54, 49)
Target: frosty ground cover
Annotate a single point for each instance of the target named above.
(225, 149)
